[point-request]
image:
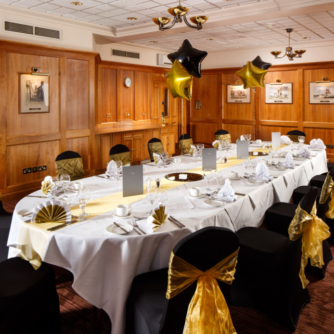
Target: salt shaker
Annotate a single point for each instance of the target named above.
(157, 181)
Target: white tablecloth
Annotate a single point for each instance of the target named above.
(104, 264)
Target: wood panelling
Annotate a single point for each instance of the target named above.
(142, 95)
(30, 155)
(203, 132)
(327, 135)
(236, 130)
(77, 91)
(3, 118)
(125, 95)
(265, 131)
(80, 145)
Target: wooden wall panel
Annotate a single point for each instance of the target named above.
(265, 131)
(142, 95)
(203, 132)
(125, 95)
(80, 145)
(327, 135)
(30, 155)
(77, 92)
(236, 130)
(37, 123)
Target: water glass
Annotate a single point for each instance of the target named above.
(207, 176)
(301, 139)
(83, 197)
(65, 181)
(162, 196)
(151, 195)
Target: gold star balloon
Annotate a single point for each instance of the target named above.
(179, 81)
(252, 76)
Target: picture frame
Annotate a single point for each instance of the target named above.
(279, 93)
(321, 92)
(34, 93)
(237, 94)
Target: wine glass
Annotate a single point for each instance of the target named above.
(119, 168)
(83, 198)
(162, 196)
(207, 176)
(151, 195)
(65, 181)
(301, 140)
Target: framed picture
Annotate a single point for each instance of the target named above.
(237, 94)
(34, 93)
(321, 92)
(279, 93)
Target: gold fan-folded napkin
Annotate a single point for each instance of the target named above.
(52, 212)
(47, 185)
(215, 144)
(158, 218)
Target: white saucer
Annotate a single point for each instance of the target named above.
(213, 203)
(200, 195)
(299, 158)
(113, 213)
(116, 230)
(255, 182)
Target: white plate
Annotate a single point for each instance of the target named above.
(213, 203)
(255, 183)
(199, 196)
(116, 230)
(299, 158)
(235, 178)
(317, 149)
(113, 213)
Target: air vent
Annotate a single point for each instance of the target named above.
(31, 30)
(47, 32)
(121, 53)
(21, 28)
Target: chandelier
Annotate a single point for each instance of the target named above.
(289, 51)
(179, 14)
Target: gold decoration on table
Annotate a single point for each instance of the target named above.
(326, 191)
(179, 81)
(215, 144)
(125, 157)
(73, 167)
(156, 148)
(159, 217)
(252, 76)
(313, 232)
(208, 311)
(47, 185)
(294, 138)
(185, 145)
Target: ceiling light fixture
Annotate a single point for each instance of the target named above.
(131, 18)
(76, 3)
(179, 14)
(289, 51)
(154, 42)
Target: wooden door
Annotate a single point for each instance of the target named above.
(128, 142)
(171, 143)
(164, 139)
(146, 138)
(137, 143)
(142, 95)
(156, 133)
(125, 95)
(156, 102)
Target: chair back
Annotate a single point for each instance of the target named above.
(203, 249)
(155, 146)
(185, 142)
(324, 200)
(293, 135)
(222, 135)
(122, 153)
(308, 200)
(70, 163)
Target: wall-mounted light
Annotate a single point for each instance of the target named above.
(324, 80)
(237, 83)
(276, 83)
(34, 71)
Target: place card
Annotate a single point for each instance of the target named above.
(276, 139)
(209, 158)
(242, 149)
(133, 180)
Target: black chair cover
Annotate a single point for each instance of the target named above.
(184, 136)
(154, 140)
(221, 132)
(296, 133)
(29, 301)
(68, 155)
(148, 311)
(5, 221)
(318, 180)
(119, 148)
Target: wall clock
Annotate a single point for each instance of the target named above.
(127, 82)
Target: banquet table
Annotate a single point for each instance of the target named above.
(104, 264)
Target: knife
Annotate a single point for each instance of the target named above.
(239, 194)
(55, 228)
(121, 228)
(177, 221)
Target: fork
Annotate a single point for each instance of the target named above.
(136, 225)
(131, 223)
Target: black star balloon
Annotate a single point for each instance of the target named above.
(189, 57)
(258, 62)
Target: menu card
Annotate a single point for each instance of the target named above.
(133, 180)
(209, 158)
(242, 149)
(275, 139)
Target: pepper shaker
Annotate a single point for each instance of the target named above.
(157, 181)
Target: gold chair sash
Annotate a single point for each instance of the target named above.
(185, 145)
(326, 191)
(156, 148)
(125, 157)
(223, 137)
(208, 311)
(294, 138)
(313, 232)
(73, 167)
(51, 213)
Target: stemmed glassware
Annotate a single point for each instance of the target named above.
(301, 140)
(207, 176)
(65, 180)
(151, 195)
(162, 196)
(83, 196)
(119, 169)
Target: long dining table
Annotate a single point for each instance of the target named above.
(104, 264)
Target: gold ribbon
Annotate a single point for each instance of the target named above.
(159, 217)
(294, 138)
(326, 191)
(208, 311)
(185, 145)
(223, 137)
(125, 157)
(313, 232)
(156, 148)
(72, 167)
(51, 213)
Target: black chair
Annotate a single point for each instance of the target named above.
(122, 153)
(155, 146)
(185, 141)
(222, 134)
(267, 276)
(148, 310)
(29, 301)
(293, 135)
(70, 163)
(5, 221)
(279, 216)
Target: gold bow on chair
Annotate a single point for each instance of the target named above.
(185, 145)
(125, 157)
(223, 137)
(207, 311)
(156, 148)
(73, 167)
(326, 191)
(313, 232)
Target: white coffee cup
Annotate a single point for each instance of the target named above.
(121, 210)
(78, 185)
(195, 192)
(235, 174)
(258, 141)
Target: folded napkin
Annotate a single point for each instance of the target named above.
(154, 221)
(193, 150)
(304, 152)
(317, 144)
(242, 137)
(226, 193)
(47, 185)
(216, 144)
(52, 212)
(286, 140)
(262, 172)
(156, 158)
(111, 167)
(288, 162)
